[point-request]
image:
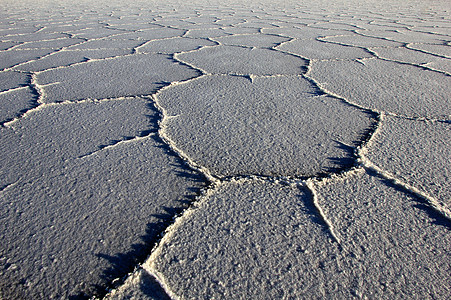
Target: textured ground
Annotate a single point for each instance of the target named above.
(222, 150)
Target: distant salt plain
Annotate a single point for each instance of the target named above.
(225, 150)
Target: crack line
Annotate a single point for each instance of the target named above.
(309, 184)
(367, 164)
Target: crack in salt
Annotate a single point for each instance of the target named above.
(36, 103)
(364, 162)
(161, 132)
(309, 184)
(422, 66)
(13, 90)
(8, 186)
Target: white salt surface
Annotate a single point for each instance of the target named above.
(50, 44)
(174, 45)
(94, 33)
(200, 150)
(443, 50)
(7, 45)
(252, 40)
(303, 32)
(107, 44)
(149, 34)
(243, 61)
(112, 77)
(417, 153)
(68, 57)
(12, 57)
(318, 49)
(361, 41)
(10, 80)
(241, 30)
(33, 37)
(408, 36)
(15, 101)
(270, 126)
(414, 57)
(408, 90)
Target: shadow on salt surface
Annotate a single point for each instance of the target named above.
(16, 96)
(307, 205)
(422, 204)
(345, 163)
(153, 128)
(341, 164)
(122, 264)
(15, 104)
(151, 288)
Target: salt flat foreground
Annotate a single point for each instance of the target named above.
(224, 150)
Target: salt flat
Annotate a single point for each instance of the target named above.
(225, 150)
